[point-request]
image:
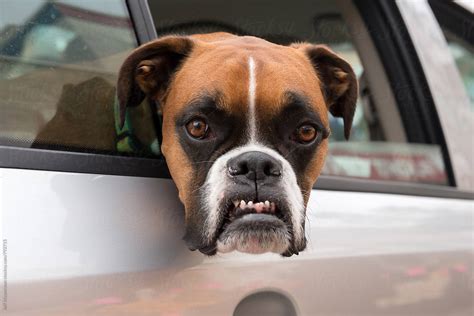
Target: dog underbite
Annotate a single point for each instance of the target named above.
(245, 132)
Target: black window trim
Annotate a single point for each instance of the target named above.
(142, 20)
(333, 183)
(77, 162)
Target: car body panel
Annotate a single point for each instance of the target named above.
(84, 244)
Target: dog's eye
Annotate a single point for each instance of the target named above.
(197, 128)
(305, 134)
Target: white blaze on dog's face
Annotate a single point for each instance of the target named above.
(245, 129)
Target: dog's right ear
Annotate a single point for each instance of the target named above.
(338, 81)
(147, 71)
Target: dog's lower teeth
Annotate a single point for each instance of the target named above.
(259, 207)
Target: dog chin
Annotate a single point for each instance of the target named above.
(255, 234)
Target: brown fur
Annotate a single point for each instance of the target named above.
(218, 62)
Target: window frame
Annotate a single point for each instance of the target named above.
(141, 18)
(403, 69)
(450, 99)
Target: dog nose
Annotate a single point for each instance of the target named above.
(254, 165)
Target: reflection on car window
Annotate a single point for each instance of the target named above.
(464, 58)
(58, 67)
(463, 55)
(371, 153)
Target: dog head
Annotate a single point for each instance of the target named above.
(245, 131)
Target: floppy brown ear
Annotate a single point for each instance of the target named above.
(338, 82)
(149, 69)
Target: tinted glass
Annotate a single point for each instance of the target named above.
(58, 67)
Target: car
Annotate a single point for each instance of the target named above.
(91, 220)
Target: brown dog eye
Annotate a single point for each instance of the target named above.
(305, 134)
(197, 128)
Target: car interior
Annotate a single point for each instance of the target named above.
(327, 22)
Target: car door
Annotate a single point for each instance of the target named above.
(92, 225)
(74, 201)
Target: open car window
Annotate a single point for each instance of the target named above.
(59, 62)
(378, 148)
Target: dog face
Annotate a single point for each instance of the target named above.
(245, 128)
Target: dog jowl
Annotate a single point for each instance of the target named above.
(245, 131)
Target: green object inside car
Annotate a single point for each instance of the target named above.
(126, 141)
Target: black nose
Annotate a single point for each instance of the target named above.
(254, 165)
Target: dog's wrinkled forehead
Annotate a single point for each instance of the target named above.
(245, 83)
(241, 75)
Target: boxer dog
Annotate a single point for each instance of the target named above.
(245, 131)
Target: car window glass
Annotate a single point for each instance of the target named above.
(372, 152)
(58, 66)
(463, 55)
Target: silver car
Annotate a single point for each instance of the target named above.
(90, 220)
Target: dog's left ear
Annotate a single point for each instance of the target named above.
(148, 70)
(338, 82)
